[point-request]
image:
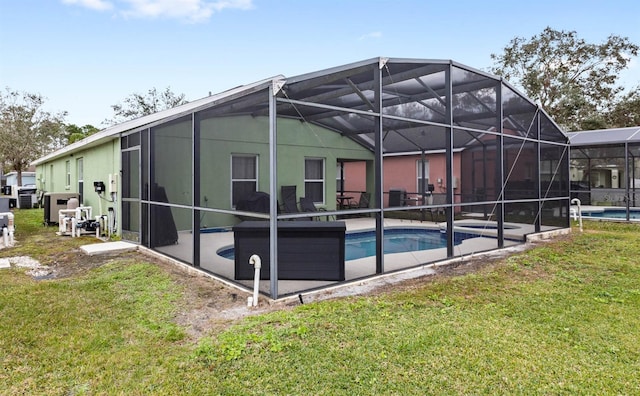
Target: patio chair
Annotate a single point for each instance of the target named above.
(362, 203)
(307, 205)
(437, 199)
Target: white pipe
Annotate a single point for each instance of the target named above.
(576, 201)
(257, 264)
(103, 228)
(7, 232)
(62, 219)
(12, 227)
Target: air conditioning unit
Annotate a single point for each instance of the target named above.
(53, 202)
(4, 208)
(26, 197)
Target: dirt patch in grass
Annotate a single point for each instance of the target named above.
(207, 304)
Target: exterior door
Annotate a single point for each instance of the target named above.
(131, 194)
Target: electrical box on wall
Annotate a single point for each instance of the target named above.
(98, 186)
(113, 183)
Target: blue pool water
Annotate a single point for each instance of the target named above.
(396, 240)
(613, 214)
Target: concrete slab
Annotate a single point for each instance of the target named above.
(108, 248)
(4, 263)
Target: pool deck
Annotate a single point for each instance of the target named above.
(211, 243)
(586, 209)
(595, 209)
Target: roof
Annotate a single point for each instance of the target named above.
(115, 130)
(603, 137)
(24, 173)
(412, 90)
(409, 92)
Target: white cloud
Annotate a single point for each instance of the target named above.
(372, 35)
(99, 5)
(236, 4)
(188, 10)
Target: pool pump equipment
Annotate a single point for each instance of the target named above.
(8, 228)
(75, 220)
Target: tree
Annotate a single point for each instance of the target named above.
(574, 81)
(138, 105)
(626, 112)
(27, 131)
(74, 133)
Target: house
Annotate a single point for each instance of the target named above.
(605, 169)
(180, 181)
(28, 178)
(13, 191)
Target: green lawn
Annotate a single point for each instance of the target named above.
(563, 318)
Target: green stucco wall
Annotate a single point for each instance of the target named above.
(222, 137)
(98, 162)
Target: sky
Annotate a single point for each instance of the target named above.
(84, 56)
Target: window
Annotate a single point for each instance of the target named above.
(419, 166)
(314, 179)
(244, 177)
(68, 173)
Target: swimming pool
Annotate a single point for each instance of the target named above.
(362, 244)
(398, 240)
(613, 214)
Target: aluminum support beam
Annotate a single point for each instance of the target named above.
(538, 220)
(449, 159)
(195, 187)
(626, 177)
(500, 169)
(273, 194)
(379, 171)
